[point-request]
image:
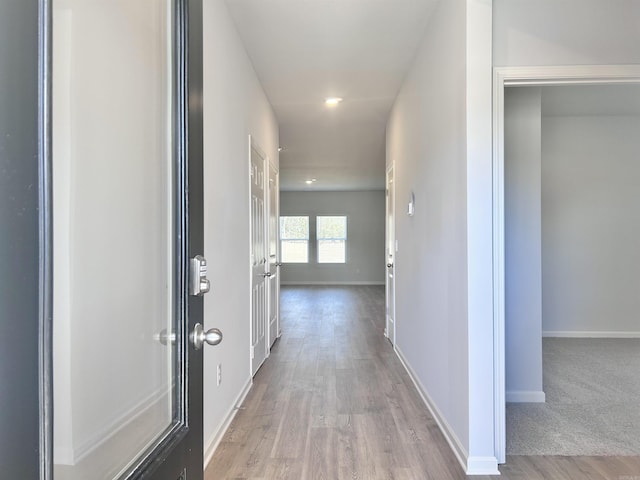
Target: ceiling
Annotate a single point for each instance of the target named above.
(304, 51)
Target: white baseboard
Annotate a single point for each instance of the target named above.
(482, 466)
(216, 438)
(471, 465)
(330, 283)
(525, 396)
(589, 334)
(458, 449)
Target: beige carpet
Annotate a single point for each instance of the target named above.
(592, 388)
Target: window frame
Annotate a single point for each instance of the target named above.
(343, 239)
(284, 239)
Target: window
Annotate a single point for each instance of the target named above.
(294, 239)
(332, 239)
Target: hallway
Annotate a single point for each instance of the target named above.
(334, 402)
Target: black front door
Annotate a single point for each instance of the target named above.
(20, 447)
(101, 163)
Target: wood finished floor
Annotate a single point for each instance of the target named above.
(333, 402)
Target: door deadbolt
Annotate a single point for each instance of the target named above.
(198, 283)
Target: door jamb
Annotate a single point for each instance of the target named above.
(525, 76)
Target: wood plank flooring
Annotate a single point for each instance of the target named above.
(333, 402)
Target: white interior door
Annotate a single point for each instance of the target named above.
(391, 253)
(259, 264)
(273, 270)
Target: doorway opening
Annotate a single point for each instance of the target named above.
(503, 287)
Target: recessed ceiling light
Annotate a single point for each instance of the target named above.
(333, 101)
(309, 182)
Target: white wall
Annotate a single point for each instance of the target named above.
(426, 142)
(591, 224)
(523, 244)
(234, 107)
(437, 139)
(365, 260)
(566, 32)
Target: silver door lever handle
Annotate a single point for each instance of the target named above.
(268, 274)
(389, 265)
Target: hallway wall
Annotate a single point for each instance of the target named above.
(443, 272)
(234, 107)
(365, 211)
(428, 151)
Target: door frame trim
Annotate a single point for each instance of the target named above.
(510, 77)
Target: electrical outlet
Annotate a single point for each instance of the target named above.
(219, 375)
